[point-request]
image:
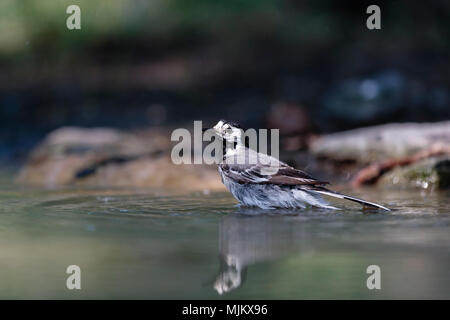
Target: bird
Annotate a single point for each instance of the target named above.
(259, 180)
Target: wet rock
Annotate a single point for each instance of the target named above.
(377, 143)
(107, 157)
(432, 173)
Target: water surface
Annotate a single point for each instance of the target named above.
(147, 244)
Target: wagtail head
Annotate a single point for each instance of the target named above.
(228, 130)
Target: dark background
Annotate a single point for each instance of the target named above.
(136, 64)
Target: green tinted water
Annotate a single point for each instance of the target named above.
(149, 244)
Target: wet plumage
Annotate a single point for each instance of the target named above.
(257, 179)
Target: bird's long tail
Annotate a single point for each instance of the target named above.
(343, 196)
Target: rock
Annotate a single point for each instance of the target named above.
(107, 157)
(377, 143)
(432, 173)
(371, 173)
(155, 172)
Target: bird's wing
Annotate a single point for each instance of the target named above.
(276, 173)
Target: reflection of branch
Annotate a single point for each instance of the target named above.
(373, 172)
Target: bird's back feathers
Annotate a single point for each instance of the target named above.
(249, 166)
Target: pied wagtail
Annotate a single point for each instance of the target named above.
(257, 179)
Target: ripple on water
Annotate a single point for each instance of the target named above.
(151, 244)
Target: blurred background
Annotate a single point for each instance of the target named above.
(306, 67)
(86, 117)
(161, 62)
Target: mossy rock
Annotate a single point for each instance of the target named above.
(432, 173)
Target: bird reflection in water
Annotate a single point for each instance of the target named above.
(246, 238)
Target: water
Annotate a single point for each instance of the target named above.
(147, 244)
